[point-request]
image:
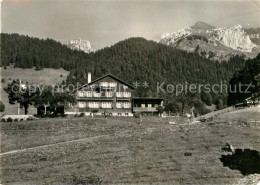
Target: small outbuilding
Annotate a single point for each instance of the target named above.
(146, 105)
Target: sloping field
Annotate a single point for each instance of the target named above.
(246, 114)
(44, 76)
(234, 114)
(119, 150)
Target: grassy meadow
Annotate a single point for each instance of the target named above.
(120, 150)
(45, 76)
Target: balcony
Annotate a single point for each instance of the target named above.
(144, 109)
(123, 95)
(108, 84)
(104, 95)
(95, 98)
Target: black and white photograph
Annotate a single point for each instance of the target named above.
(97, 92)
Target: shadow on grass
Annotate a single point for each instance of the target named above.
(246, 161)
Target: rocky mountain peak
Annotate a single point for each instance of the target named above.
(223, 42)
(235, 38)
(81, 45)
(202, 26)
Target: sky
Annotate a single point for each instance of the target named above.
(105, 22)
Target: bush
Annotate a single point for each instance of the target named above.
(2, 107)
(38, 68)
(173, 107)
(187, 154)
(3, 80)
(29, 119)
(40, 115)
(50, 115)
(220, 104)
(95, 111)
(64, 115)
(206, 98)
(136, 115)
(9, 119)
(200, 108)
(81, 114)
(79, 179)
(198, 37)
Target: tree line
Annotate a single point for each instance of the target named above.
(133, 59)
(245, 82)
(39, 97)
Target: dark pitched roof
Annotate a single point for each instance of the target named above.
(107, 75)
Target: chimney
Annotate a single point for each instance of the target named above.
(89, 77)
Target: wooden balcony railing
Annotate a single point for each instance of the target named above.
(144, 109)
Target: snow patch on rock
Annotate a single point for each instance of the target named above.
(235, 38)
(81, 45)
(170, 38)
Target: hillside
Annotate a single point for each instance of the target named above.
(214, 43)
(120, 151)
(44, 76)
(249, 74)
(134, 59)
(202, 26)
(250, 115)
(252, 30)
(137, 59)
(28, 52)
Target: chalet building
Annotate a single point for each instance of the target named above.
(112, 96)
(146, 105)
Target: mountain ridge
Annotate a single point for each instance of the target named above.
(80, 45)
(220, 42)
(133, 59)
(202, 26)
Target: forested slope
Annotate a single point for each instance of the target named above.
(133, 59)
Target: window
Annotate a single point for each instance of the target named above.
(143, 105)
(108, 94)
(119, 114)
(126, 114)
(104, 84)
(90, 105)
(127, 94)
(95, 94)
(97, 90)
(118, 105)
(89, 94)
(119, 94)
(106, 105)
(82, 104)
(93, 105)
(81, 93)
(149, 105)
(127, 105)
(112, 84)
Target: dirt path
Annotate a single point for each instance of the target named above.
(89, 139)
